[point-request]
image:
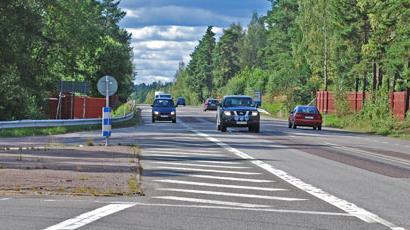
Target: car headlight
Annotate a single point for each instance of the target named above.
(156, 113)
(227, 113)
(255, 113)
(172, 113)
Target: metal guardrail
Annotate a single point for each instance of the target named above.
(62, 122)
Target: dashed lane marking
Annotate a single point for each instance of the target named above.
(207, 170)
(201, 165)
(216, 177)
(259, 209)
(231, 194)
(219, 185)
(89, 217)
(205, 201)
(6, 198)
(348, 207)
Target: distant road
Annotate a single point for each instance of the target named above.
(198, 178)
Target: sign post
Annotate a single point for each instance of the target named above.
(107, 86)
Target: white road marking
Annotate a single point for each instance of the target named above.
(179, 150)
(220, 162)
(204, 201)
(6, 198)
(207, 170)
(49, 200)
(89, 217)
(219, 185)
(231, 194)
(349, 207)
(237, 208)
(200, 165)
(183, 153)
(216, 177)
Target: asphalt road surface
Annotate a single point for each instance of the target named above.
(198, 178)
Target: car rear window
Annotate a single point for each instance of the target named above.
(163, 103)
(307, 109)
(237, 101)
(213, 101)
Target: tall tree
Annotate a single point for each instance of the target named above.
(226, 56)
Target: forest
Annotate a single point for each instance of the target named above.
(46, 41)
(301, 46)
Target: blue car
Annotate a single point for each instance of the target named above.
(164, 110)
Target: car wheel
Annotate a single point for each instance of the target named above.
(319, 127)
(314, 127)
(153, 120)
(218, 127)
(257, 128)
(223, 128)
(294, 125)
(289, 125)
(174, 120)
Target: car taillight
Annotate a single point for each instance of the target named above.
(299, 116)
(318, 117)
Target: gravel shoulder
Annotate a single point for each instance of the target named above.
(91, 170)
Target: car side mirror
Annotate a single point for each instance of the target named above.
(152, 105)
(176, 106)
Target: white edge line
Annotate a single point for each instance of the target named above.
(344, 205)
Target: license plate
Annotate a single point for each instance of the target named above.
(164, 116)
(309, 117)
(241, 122)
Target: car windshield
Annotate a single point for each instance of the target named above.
(163, 103)
(165, 96)
(237, 101)
(307, 109)
(212, 101)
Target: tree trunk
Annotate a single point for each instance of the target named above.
(364, 88)
(374, 76)
(380, 77)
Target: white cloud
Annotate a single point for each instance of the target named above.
(159, 49)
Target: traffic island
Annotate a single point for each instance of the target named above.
(83, 171)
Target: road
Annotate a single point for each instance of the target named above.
(198, 178)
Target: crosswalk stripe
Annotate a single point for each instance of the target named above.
(231, 194)
(219, 185)
(201, 165)
(89, 217)
(185, 153)
(181, 149)
(215, 177)
(205, 201)
(207, 170)
(221, 162)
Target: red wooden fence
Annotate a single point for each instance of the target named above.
(325, 102)
(78, 106)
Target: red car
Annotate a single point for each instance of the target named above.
(305, 116)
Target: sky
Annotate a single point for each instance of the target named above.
(165, 32)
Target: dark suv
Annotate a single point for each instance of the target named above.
(237, 111)
(164, 110)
